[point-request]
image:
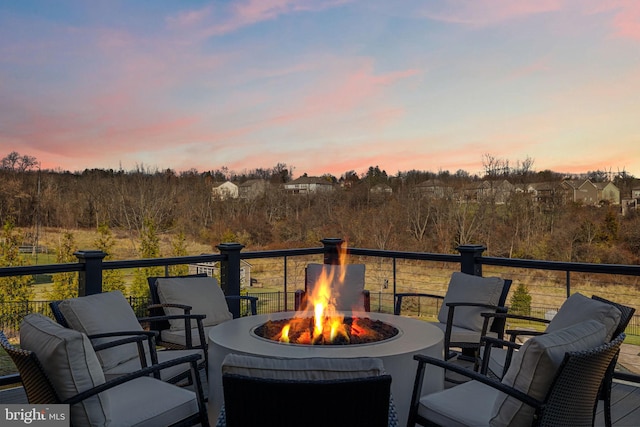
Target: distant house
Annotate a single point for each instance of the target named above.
(307, 185)
(635, 193)
(582, 191)
(381, 189)
(435, 188)
(252, 188)
(225, 190)
(549, 193)
(212, 269)
(588, 193)
(607, 191)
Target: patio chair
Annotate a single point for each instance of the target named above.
(575, 309)
(314, 392)
(182, 296)
(554, 381)
(108, 317)
(350, 294)
(58, 365)
(460, 317)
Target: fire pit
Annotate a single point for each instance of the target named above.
(413, 337)
(349, 331)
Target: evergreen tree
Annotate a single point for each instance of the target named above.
(13, 288)
(65, 285)
(149, 248)
(112, 280)
(521, 300)
(179, 248)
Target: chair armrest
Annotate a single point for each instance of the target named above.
(138, 337)
(192, 359)
(523, 397)
(252, 300)
(399, 296)
(489, 343)
(187, 326)
(186, 308)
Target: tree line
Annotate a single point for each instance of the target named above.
(181, 204)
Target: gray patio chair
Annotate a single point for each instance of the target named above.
(108, 317)
(349, 291)
(554, 381)
(195, 294)
(314, 392)
(575, 309)
(58, 365)
(459, 317)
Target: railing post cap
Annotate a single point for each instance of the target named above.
(232, 246)
(90, 254)
(332, 240)
(471, 248)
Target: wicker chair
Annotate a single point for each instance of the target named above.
(565, 390)
(460, 313)
(65, 370)
(498, 360)
(108, 316)
(350, 294)
(314, 392)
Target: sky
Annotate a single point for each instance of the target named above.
(323, 86)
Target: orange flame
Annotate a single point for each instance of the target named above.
(328, 322)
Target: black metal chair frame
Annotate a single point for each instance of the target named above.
(40, 390)
(469, 349)
(151, 337)
(571, 399)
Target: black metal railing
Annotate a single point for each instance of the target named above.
(395, 271)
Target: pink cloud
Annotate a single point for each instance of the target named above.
(490, 12)
(627, 20)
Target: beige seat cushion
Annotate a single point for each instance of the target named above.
(203, 294)
(178, 336)
(469, 288)
(101, 313)
(444, 408)
(308, 369)
(163, 356)
(69, 361)
(535, 365)
(578, 308)
(147, 402)
(346, 281)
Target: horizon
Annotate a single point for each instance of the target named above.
(323, 86)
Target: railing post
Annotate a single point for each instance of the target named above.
(468, 254)
(332, 247)
(90, 278)
(230, 274)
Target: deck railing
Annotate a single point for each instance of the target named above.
(470, 259)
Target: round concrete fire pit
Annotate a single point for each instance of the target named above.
(414, 337)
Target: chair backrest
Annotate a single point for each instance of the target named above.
(626, 314)
(573, 395)
(309, 392)
(499, 324)
(161, 325)
(36, 383)
(347, 290)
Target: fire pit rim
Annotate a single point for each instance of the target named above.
(346, 314)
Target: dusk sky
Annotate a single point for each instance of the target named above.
(325, 86)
